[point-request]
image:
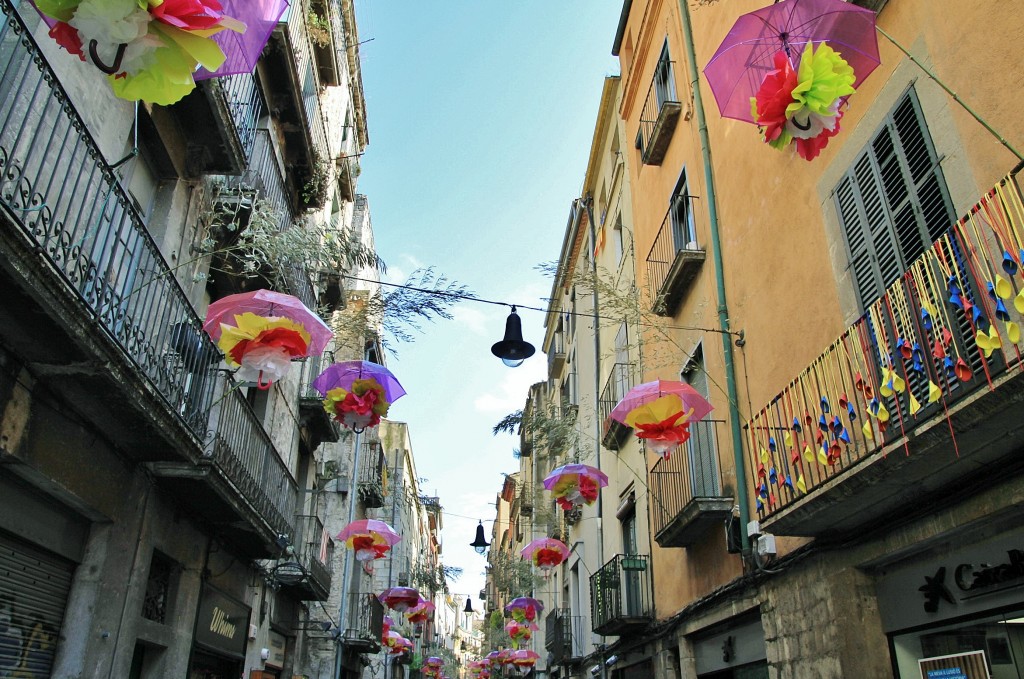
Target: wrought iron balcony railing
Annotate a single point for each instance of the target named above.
(70, 206)
(298, 37)
(621, 601)
(564, 636)
(675, 258)
(923, 371)
(365, 625)
(620, 381)
(686, 488)
(372, 475)
(245, 106)
(659, 115)
(556, 355)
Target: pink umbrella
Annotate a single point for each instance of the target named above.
(645, 393)
(370, 538)
(267, 303)
(747, 54)
(546, 553)
(575, 484)
(421, 612)
(524, 608)
(399, 599)
(523, 659)
(519, 631)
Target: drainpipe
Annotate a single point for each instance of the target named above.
(346, 578)
(716, 251)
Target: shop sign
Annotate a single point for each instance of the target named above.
(222, 623)
(973, 580)
(276, 643)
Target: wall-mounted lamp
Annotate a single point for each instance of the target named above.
(512, 349)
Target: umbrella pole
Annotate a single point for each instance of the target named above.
(346, 577)
(954, 95)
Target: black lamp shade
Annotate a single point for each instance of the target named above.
(480, 544)
(512, 350)
(469, 605)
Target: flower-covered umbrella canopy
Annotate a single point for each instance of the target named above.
(524, 609)
(788, 68)
(661, 412)
(421, 612)
(546, 553)
(396, 643)
(519, 631)
(358, 393)
(523, 659)
(261, 332)
(370, 538)
(575, 484)
(648, 392)
(399, 599)
(149, 50)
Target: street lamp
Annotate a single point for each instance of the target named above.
(480, 544)
(512, 349)
(469, 605)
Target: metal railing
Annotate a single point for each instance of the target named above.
(314, 366)
(68, 202)
(298, 35)
(913, 354)
(317, 549)
(620, 594)
(619, 382)
(245, 105)
(672, 239)
(691, 471)
(564, 636)
(556, 352)
(661, 91)
(365, 624)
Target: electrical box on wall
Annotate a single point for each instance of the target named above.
(252, 632)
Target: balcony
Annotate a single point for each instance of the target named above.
(885, 428)
(317, 425)
(91, 304)
(613, 432)
(686, 489)
(372, 475)
(526, 499)
(620, 596)
(564, 637)
(308, 576)
(365, 625)
(659, 116)
(556, 355)
(673, 261)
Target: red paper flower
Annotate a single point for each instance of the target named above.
(283, 338)
(366, 542)
(361, 406)
(188, 15)
(774, 95)
(547, 557)
(810, 148)
(67, 37)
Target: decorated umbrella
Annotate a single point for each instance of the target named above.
(523, 659)
(788, 68)
(396, 643)
(399, 599)
(575, 484)
(242, 50)
(421, 612)
(524, 609)
(358, 393)
(261, 332)
(661, 412)
(149, 50)
(520, 631)
(370, 538)
(546, 553)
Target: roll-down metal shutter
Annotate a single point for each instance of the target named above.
(34, 587)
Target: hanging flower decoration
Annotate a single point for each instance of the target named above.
(359, 408)
(369, 538)
(575, 484)
(399, 599)
(523, 660)
(150, 50)
(524, 609)
(396, 643)
(546, 553)
(802, 106)
(421, 612)
(262, 348)
(519, 631)
(663, 423)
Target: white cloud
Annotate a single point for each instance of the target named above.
(510, 394)
(472, 319)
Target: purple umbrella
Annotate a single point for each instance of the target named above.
(747, 54)
(345, 373)
(243, 49)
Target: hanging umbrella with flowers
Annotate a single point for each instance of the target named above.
(421, 612)
(369, 538)
(399, 599)
(524, 609)
(661, 412)
(358, 393)
(575, 484)
(545, 553)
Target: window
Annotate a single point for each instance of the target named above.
(700, 449)
(893, 202)
(664, 86)
(156, 603)
(684, 231)
(618, 241)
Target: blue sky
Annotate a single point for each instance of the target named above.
(480, 116)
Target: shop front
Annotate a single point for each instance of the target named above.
(222, 623)
(732, 650)
(960, 615)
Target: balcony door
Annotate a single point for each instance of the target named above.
(632, 596)
(702, 456)
(684, 231)
(664, 83)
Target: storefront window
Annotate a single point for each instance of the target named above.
(990, 646)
